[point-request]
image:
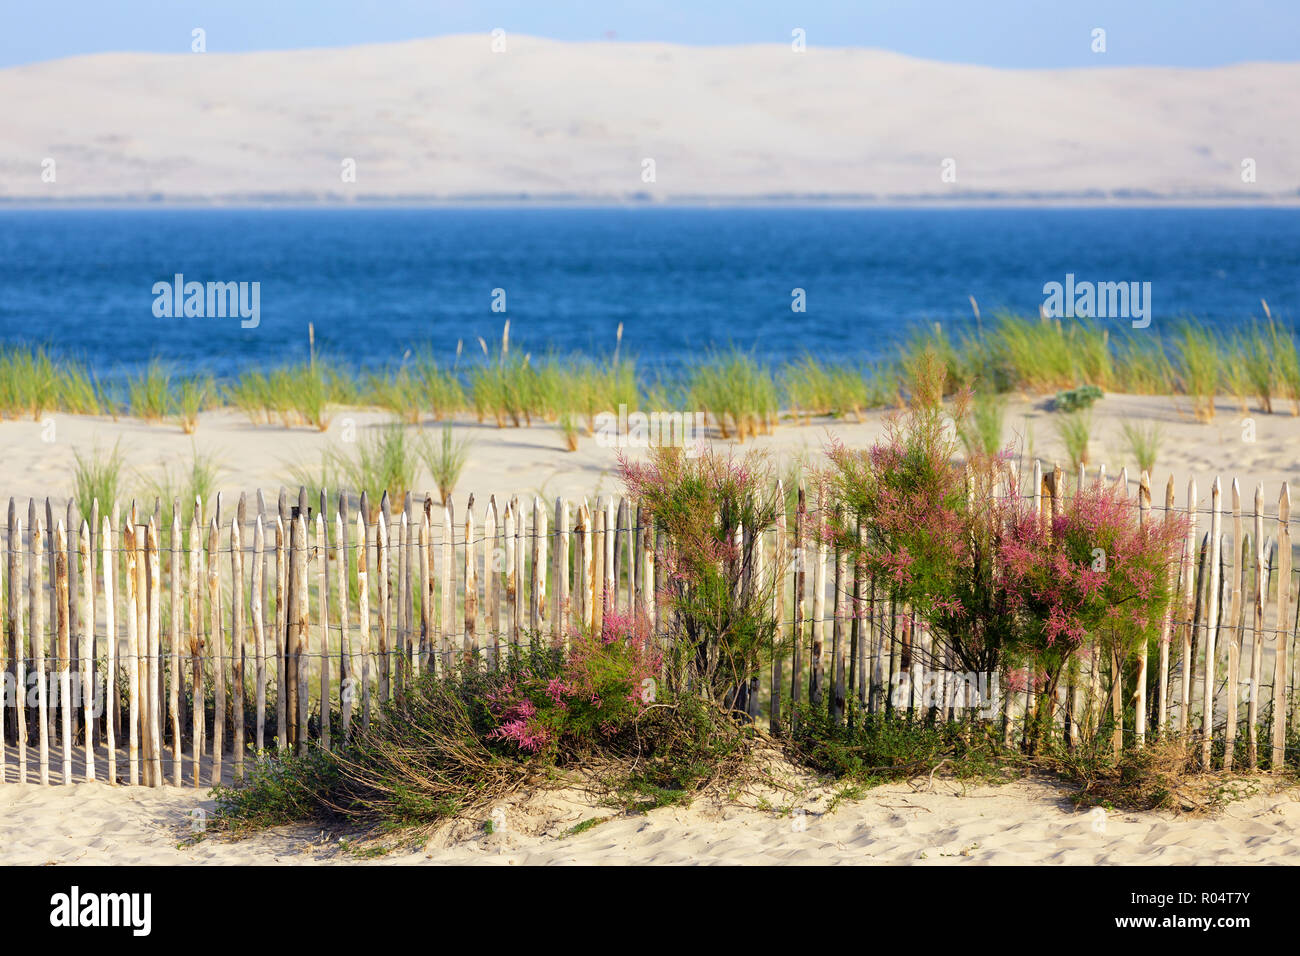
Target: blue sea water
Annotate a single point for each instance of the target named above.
(376, 281)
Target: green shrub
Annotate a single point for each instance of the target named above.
(877, 748)
(1077, 399)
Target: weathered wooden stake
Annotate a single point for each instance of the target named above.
(154, 670)
(259, 630)
(132, 654)
(237, 644)
(1140, 696)
(323, 626)
(1233, 634)
(363, 618)
(1189, 596)
(471, 648)
(64, 660)
(1257, 639)
(778, 610)
(1284, 627)
(215, 645)
(1211, 620)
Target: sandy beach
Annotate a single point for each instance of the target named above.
(40, 456)
(939, 824)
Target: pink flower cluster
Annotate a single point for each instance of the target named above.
(599, 690)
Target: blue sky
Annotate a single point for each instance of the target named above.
(1006, 33)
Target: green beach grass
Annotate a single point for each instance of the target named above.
(508, 386)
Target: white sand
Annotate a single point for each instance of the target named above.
(447, 118)
(532, 461)
(1019, 823)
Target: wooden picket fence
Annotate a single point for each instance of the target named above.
(292, 625)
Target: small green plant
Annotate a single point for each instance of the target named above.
(250, 393)
(1143, 367)
(1256, 358)
(738, 392)
(981, 431)
(442, 391)
(1199, 368)
(445, 459)
(396, 392)
(1036, 354)
(293, 394)
(814, 388)
(569, 428)
(195, 479)
(387, 461)
(1286, 364)
(280, 788)
(97, 477)
(194, 395)
(589, 824)
(77, 392)
(309, 395)
(872, 749)
(1077, 399)
(1143, 441)
(150, 392)
(420, 385)
(1075, 431)
(28, 383)
(1238, 379)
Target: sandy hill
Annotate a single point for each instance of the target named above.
(448, 118)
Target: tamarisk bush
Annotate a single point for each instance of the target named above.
(718, 609)
(996, 583)
(1092, 577)
(604, 684)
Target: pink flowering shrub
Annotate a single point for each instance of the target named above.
(998, 585)
(1093, 574)
(906, 511)
(605, 683)
(716, 608)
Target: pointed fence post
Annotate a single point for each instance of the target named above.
(537, 575)
(259, 630)
(1140, 697)
(778, 609)
(561, 610)
(1257, 638)
(1284, 628)
(1166, 629)
(363, 617)
(1211, 621)
(1189, 596)
(1233, 630)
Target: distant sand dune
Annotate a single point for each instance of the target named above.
(447, 119)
